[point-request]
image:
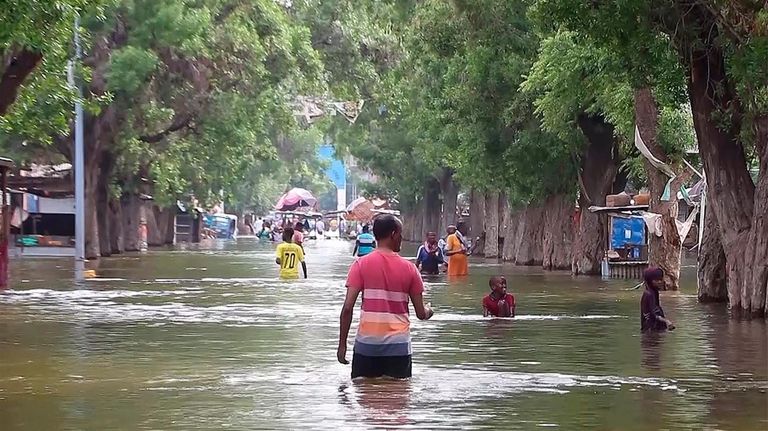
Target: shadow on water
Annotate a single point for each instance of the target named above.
(206, 337)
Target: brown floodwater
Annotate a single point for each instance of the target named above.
(207, 338)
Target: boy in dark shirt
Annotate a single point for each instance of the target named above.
(498, 303)
(651, 315)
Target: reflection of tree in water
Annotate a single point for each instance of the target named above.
(382, 402)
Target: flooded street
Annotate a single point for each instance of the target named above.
(208, 338)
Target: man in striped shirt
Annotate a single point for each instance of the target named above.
(388, 282)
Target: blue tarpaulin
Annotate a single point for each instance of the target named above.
(627, 232)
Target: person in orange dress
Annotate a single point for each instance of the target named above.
(456, 248)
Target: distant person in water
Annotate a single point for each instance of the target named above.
(264, 232)
(276, 233)
(443, 241)
(365, 243)
(298, 235)
(429, 257)
(387, 282)
(651, 314)
(498, 303)
(289, 256)
(456, 248)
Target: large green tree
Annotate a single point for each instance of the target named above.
(582, 88)
(185, 98)
(721, 46)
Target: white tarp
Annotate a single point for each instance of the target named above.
(663, 167)
(653, 223)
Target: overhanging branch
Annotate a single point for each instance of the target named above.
(175, 126)
(18, 65)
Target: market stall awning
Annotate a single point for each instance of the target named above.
(295, 198)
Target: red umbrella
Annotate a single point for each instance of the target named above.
(295, 198)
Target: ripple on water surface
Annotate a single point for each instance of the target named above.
(208, 338)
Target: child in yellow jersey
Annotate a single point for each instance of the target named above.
(289, 255)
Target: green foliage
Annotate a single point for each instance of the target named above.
(458, 90)
(43, 107)
(225, 69)
(129, 68)
(571, 77)
(41, 25)
(489, 89)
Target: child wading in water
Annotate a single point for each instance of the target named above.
(652, 316)
(498, 303)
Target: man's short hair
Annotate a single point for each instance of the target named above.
(288, 234)
(384, 225)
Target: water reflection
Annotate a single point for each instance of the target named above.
(382, 403)
(651, 343)
(498, 328)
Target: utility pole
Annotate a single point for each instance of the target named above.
(79, 155)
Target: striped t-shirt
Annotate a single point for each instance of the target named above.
(386, 281)
(366, 243)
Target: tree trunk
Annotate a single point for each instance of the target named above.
(599, 165)
(131, 219)
(530, 236)
(665, 251)
(511, 243)
(450, 192)
(102, 205)
(406, 216)
(413, 221)
(116, 238)
(712, 274)
(157, 224)
(18, 63)
(170, 229)
(557, 239)
(418, 224)
(432, 207)
(741, 208)
(103, 219)
(92, 244)
(99, 132)
(164, 226)
(504, 220)
(477, 216)
(491, 246)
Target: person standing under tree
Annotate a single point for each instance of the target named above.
(288, 256)
(429, 257)
(456, 249)
(143, 244)
(387, 281)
